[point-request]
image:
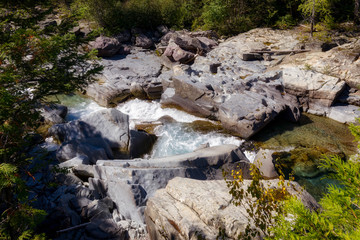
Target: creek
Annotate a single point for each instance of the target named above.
(179, 132)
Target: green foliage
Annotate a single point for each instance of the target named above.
(282, 217)
(262, 202)
(321, 8)
(36, 61)
(339, 214)
(285, 22)
(227, 17)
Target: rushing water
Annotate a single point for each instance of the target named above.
(176, 137)
(78, 106)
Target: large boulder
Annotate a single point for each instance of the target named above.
(114, 85)
(103, 134)
(312, 88)
(183, 46)
(193, 209)
(177, 54)
(243, 95)
(106, 46)
(143, 41)
(243, 105)
(54, 113)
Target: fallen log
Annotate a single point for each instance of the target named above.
(279, 52)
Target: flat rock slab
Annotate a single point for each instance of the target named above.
(190, 209)
(342, 62)
(310, 86)
(344, 113)
(140, 178)
(113, 85)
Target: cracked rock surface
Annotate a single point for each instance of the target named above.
(190, 209)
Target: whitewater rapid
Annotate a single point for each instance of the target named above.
(173, 138)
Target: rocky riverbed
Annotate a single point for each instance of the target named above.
(118, 159)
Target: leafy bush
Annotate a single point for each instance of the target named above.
(36, 60)
(339, 214)
(286, 218)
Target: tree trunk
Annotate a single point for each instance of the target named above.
(356, 13)
(313, 19)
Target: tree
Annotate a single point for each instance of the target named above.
(313, 8)
(37, 58)
(356, 12)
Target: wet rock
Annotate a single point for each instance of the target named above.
(137, 90)
(153, 90)
(141, 143)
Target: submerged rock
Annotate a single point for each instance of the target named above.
(302, 162)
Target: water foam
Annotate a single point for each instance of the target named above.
(177, 138)
(152, 111)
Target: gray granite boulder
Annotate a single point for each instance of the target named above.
(100, 135)
(54, 113)
(193, 209)
(106, 46)
(183, 46)
(143, 41)
(177, 54)
(120, 73)
(312, 87)
(243, 105)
